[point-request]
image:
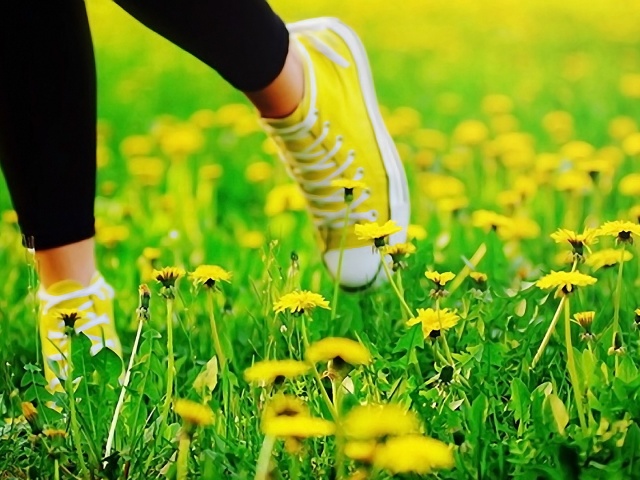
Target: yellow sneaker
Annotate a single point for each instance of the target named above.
(337, 132)
(95, 306)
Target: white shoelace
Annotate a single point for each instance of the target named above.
(101, 289)
(316, 158)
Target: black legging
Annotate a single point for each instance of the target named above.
(48, 94)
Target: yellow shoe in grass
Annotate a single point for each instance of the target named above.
(94, 305)
(337, 132)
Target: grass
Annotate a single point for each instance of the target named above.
(527, 109)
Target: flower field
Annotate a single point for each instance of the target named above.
(505, 342)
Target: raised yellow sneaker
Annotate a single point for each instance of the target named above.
(337, 132)
(95, 307)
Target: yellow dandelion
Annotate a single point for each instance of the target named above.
(630, 185)
(585, 319)
(257, 172)
(414, 453)
(488, 220)
(435, 321)
(577, 240)
(622, 230)
(440, 279)
(284, 198)
(208, 275)
(269, 371)
(416, 232)
(399, 249)
(168, 276)
(369, 422)
(54, 433)
(29, 411)
(634, 212)
(479, 277)
(300, 301)
(193, 413)
(348, 184)
(519, 228)
(299, 426)
(565, 282)
(69, 316)
(361, 451)
(338, 350)
(607, 257)
(10, 217)
(151, 253)
(377, 233)
(282, 405)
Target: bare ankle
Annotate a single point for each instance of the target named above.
(282, 96)
(75, 261)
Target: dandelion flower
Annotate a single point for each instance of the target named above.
(585, 319)
(607, 257)
(208, 275)
(348, 184)
(398, 253)
(270, 371)
(488, 220)
(282, 405)
(299, 302)
(622, 230)
(193, 413)
(338, 350)
(577, 240)
(416, 232)
(368, 422)
(361, 451)
(440, 279)
(434, 321)
(299, 426)
(479, 277)
(565, 282)
(54, 433)
(151, 253)
(377, 233)
(414, 453)
(168, 276)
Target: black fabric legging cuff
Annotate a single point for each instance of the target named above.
(48, 94)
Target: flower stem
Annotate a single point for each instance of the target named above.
(547, 336)
(170, 360)
(403, 302)
(125, 384)
(316, 374)
(336, 287)
(73, 416)
(214, 331)
(56, 469)
(617, 297)
(336, 386)
(464, 273)
(262, 469)
(182, 463)
(571, 366)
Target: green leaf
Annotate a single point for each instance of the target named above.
(207, 379)
(108, 366)
(557, 412)
(627, 371)
(520, 403)
(411, 339)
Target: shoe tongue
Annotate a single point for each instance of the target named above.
(63, 287)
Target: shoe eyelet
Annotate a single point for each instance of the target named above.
(374, 214)
(360, 170)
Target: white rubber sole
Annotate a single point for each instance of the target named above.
(399, 207)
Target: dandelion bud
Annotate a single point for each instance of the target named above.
(31, 416)
(69, 317)
(145, 299)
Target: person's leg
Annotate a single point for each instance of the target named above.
(47, 154)
(319, 85)
(243, 40)
(47, 132)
